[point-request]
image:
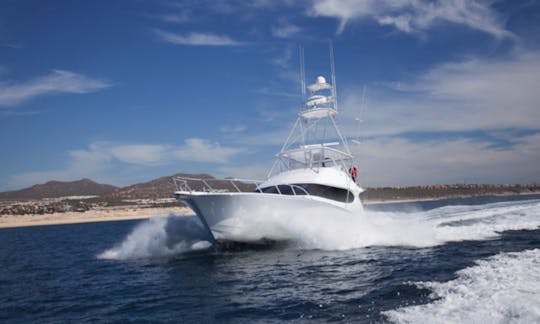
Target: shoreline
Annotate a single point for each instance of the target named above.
(91, 216)
(412, 200)
(135, 212)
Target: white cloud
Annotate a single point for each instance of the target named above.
(397, 161)
(58, 81)
(196, 39)
(257, 172)
(193, 149)
(283, 59)
(285, 30)
(414, 15)
(15, 46)
(464, 96)
(238, 128)
(460, 98)
(144, 154)
(81, 164)
(104, 161)
(201, 150)
(177, 18)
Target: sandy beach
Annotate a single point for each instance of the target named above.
(134, 212)
(101, 215)
(96, 215)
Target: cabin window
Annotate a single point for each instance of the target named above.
(283, 189)
(338, 194)
(272, 189)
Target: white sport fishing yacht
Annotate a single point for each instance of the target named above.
(313, 173)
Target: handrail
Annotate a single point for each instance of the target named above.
(313, 148)
(182, 184)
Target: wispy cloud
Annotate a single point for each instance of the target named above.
(193, 149)
(101, 160)
(249, 172)
(83, 163)
(201, 150)
(58, 81)
(285, 30)
(388, 161)
(196, 39)
(143, 154)
(176, 18)
(12, 45)
(414, 15)
(283, 59)
(238, 128)
(470, 95)
(459, 98)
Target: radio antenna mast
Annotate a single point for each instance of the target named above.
(302, 72)
(333, 70)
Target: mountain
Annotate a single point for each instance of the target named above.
(55, 189)
(159, 188)
(164, 187)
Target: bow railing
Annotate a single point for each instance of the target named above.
(212, 185)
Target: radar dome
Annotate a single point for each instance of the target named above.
(321, 79)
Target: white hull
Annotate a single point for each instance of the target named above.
(244, 216)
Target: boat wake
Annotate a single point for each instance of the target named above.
(504, 288)
(159, 237)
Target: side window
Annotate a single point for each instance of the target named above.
(269, 190)
(338, 194)
(285, 190)
(299, 190)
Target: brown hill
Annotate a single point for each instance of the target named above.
(164, 187)
(159, 188)
(55, 189)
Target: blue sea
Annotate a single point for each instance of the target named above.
(456, 261)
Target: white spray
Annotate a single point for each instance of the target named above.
(159, 237)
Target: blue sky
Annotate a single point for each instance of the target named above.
(127, 91)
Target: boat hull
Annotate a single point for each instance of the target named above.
(250, 217)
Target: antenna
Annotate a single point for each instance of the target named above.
(362, 104)
(360, 115)
(332, 67)
(302, 72)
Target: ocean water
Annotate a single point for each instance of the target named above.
(455, 261)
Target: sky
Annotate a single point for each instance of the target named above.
(431, 92)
